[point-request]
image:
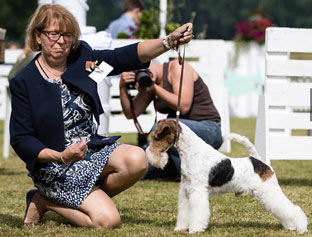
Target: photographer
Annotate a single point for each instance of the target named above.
(197, 108)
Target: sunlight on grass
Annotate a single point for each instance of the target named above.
(149, 207)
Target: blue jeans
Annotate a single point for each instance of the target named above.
(209, 131)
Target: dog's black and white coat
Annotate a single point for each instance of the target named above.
(205, 172)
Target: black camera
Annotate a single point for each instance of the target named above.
(143, 77)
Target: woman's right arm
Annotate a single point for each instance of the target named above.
(23, 137)
(74, 152)
(141, 100)
(22, 132)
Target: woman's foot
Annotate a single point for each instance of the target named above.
(33, 213)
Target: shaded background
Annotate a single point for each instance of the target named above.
(213, 20)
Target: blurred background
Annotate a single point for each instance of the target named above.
(212, 19)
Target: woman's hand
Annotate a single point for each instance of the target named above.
(126, 78)
(76, 151)
(149, 49)
(181, 35)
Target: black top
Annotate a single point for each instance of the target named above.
(202, 107)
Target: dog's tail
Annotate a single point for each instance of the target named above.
(245, 141)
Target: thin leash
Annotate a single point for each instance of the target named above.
(134, 117)
(181, 62)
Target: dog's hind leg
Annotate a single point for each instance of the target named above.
(199, 209)
(274, 200)
(183, 209)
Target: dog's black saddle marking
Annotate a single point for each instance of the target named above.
(221, 173)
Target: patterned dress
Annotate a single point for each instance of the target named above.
(69, 184)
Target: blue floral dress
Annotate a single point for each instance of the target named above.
(69, 184)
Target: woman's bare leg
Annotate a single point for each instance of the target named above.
(97, 211)
(126, 165)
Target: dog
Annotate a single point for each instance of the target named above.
(205, 172)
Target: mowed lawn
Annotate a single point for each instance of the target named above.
(149, 208)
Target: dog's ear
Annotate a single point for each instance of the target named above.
(161, 132)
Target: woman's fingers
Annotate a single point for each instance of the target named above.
(76, 151)
(127, 77)
(183, 34)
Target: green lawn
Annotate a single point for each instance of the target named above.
(149, 208)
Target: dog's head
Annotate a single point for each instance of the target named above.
(163, 138)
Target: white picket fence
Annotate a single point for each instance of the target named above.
(5, 102)
(285, 105)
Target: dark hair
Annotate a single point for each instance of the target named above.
(129, 5)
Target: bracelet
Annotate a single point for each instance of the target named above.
(165, 42)
(61, 157)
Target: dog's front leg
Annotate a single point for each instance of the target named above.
(199, 209)
(183, 209)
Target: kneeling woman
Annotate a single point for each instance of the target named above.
(54, 104)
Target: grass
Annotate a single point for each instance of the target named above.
(149, 207)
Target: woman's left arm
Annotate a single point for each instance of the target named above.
(189, 76)
(149, 49)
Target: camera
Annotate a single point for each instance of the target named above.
(143, 77)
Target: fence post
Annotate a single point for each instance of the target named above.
(2, 45)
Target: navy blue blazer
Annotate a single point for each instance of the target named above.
(37, 118)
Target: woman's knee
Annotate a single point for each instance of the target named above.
(107, 221)
(136, 161)
(129, 160)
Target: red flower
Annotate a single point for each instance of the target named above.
(252, 30)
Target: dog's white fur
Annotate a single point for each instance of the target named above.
(197, 161)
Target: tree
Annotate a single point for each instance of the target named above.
(14, 16)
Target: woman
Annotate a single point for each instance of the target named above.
(196, 107)
(54, 102)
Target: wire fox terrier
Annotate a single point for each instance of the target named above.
(205, 172)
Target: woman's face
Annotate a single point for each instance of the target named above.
(55, 43)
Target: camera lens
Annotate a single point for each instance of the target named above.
(143, 78)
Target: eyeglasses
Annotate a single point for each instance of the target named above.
(56, 35)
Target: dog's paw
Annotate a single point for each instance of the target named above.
(180, 228)
(302, 231)
(299, 229)
(195, 229)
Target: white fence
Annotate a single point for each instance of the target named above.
(5, 102)
(286, 104)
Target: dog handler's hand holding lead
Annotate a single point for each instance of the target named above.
(181, 35)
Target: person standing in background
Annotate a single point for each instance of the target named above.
(129, 21)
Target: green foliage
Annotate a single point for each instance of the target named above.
(170, 27)
(149, 26)
(14, 17)
(123, 35)
(101, 13)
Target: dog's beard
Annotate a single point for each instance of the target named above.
(158, 160)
